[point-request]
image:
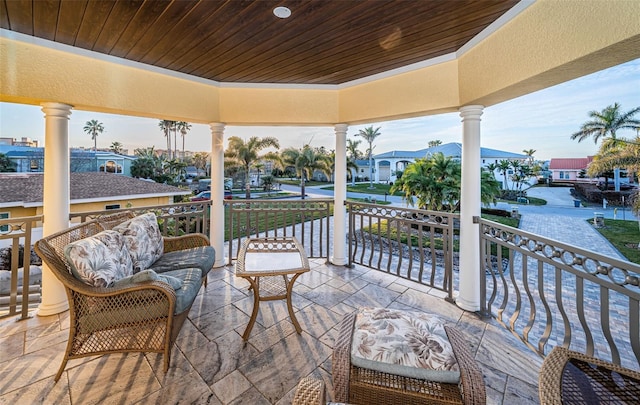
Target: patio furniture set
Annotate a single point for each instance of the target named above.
(130, 290)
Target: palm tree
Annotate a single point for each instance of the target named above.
(245, 154)
(6, 164)
(605, 124)
(306, 161)
(353, 152)
(626, 155)
(166, 126)
(331, 163)
(369, 134)
(116, 147)
(435, 182)
(200, 160)
(530, 153)
(93, 128)
(504, 166)
(183, 127)
(491, 168)
(434, 143)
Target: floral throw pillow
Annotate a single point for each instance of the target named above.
(144, 240)
(99, 260)
(410, 344)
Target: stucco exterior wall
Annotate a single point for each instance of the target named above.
(549, 43)
(274, 106)
(32, 74)
(429, 90)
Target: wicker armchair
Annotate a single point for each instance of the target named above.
(137, 318)
(357, 385)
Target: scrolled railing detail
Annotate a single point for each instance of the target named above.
(587, 301)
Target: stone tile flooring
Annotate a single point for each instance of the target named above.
(210, 364)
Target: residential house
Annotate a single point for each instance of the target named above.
(24, 141)
(568, 169)
(388, 164)
(21, 193)
(30, 159)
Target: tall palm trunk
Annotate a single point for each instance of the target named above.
(247, 183)
(175, 140)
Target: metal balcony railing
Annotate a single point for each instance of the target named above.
(173, 219)
(549, 293)
(413, 244)
(307, 220)
(20, 278)
(545, 292)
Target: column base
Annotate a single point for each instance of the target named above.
(467, 305)
(52, 309)
(220, 262)
(338, 261)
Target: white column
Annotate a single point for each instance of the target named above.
(56, 196)
(469, 296)
(340, 194)
(216, 226)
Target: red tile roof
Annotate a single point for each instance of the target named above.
(570, 163)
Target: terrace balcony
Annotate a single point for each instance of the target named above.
(525, 293)
(598, 313)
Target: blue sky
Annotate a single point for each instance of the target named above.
(543, 121)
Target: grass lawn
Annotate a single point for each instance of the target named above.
(378, 189)
(624, 235)
(296, 182)
(532, 201)
(380, 202)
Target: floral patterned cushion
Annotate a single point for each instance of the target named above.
(99, 260)
(411, 344)
(144, 240)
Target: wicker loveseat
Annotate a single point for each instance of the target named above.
(140, 312)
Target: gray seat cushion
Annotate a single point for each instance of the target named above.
(199, 257)
(191, 282)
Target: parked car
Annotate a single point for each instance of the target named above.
(206, 195)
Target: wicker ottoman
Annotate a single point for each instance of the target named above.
(359, 385)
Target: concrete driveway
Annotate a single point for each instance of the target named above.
(555, 196)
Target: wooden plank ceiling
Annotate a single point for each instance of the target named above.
(323, 42)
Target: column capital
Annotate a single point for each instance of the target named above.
(471, 112)
(217, 126)
(54, 109)
(341, 127)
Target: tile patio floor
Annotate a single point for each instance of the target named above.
(209, 364)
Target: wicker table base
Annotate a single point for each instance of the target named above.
(568, 377)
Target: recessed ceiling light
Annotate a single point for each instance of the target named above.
(282, 12)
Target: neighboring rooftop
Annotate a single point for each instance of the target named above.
(570, 163)
(452, 149)
(26, 188)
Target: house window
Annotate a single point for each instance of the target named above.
(4, 228)
(112, 207)
(34, 165)
(111, 167)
